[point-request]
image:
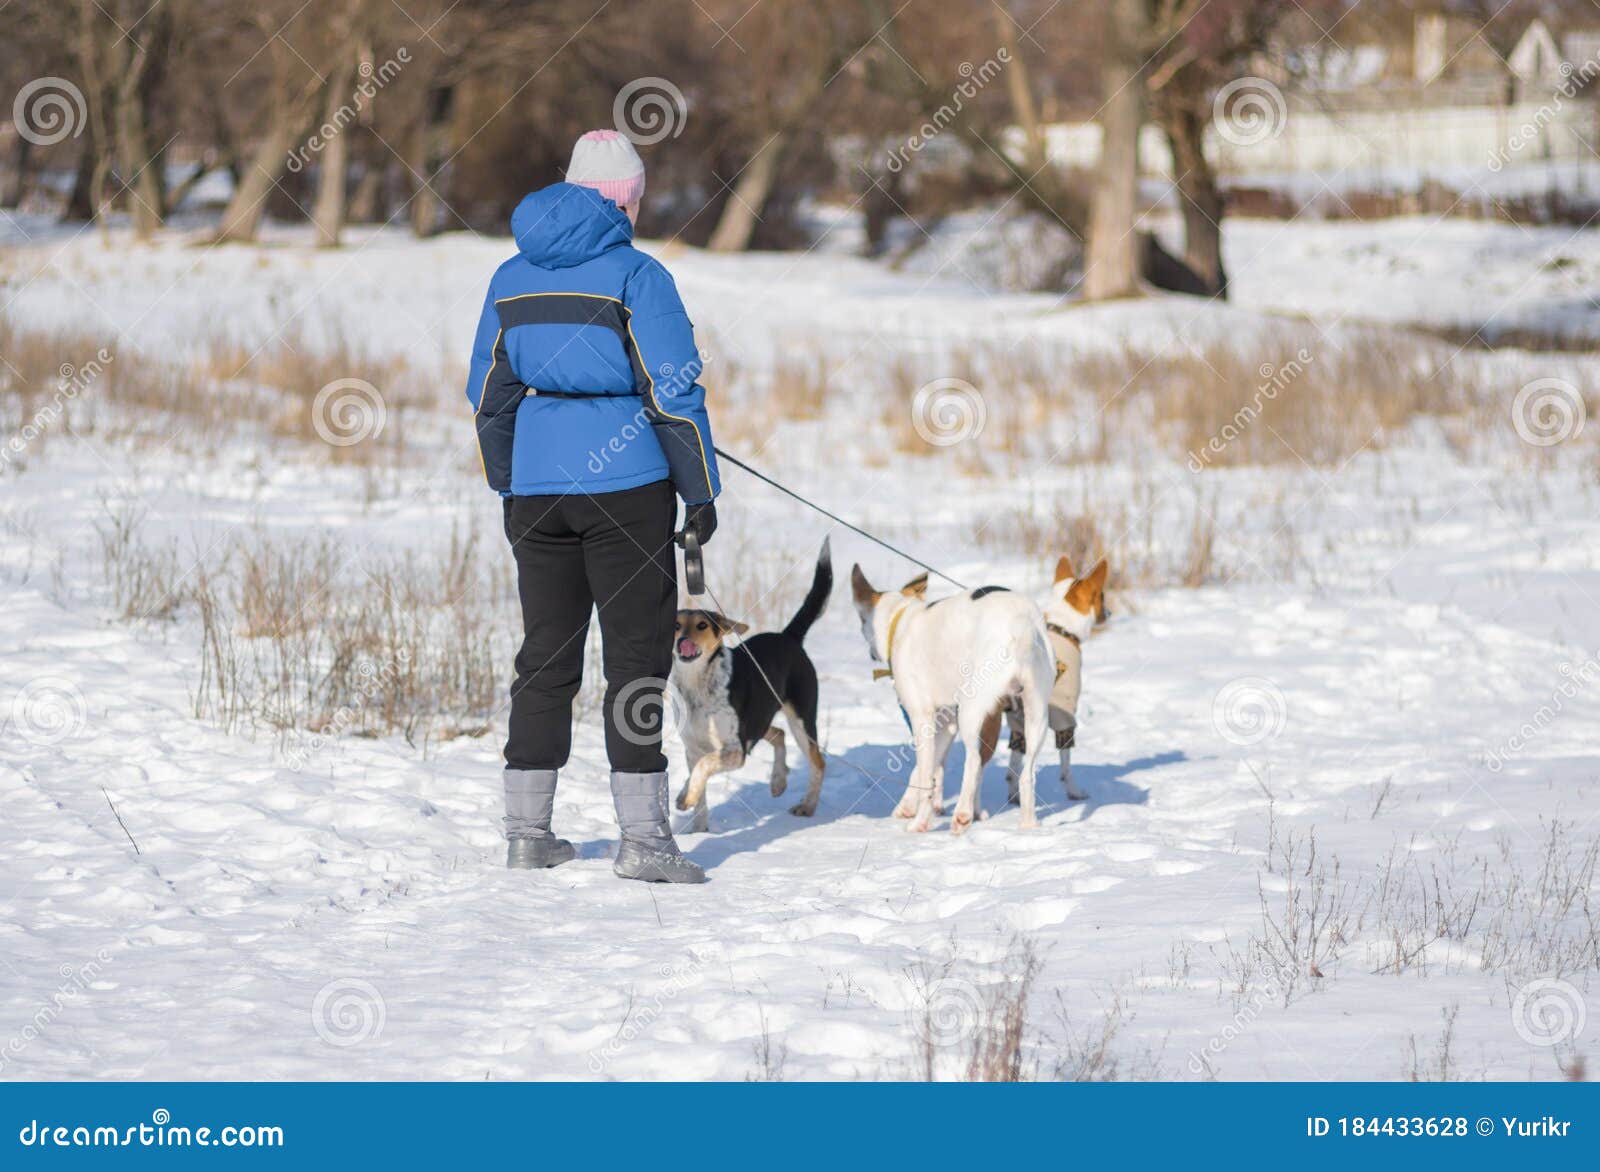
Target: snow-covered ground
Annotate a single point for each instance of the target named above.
(1343, 794)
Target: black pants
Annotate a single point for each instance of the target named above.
(574, 552)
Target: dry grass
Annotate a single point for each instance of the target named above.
(971, 1031)
(307, 636)
(1123, 529)
(1286, 395)
(56, 382)
(1420, 914)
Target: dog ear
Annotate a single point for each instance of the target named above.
(864, 594)
(917, 587)
(1064, 569)
(727, 626)
(1087, 594)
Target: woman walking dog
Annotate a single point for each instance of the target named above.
(589, 416)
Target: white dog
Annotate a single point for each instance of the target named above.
(956, 663)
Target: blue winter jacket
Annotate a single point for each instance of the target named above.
(584, 372)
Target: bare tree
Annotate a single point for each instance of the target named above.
(1111, 265)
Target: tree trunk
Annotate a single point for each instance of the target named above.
(21, 173)
(80, 200)
(1111, 267)
(95, 99)
(141, 172)
(749, 195)
(1201, 200)
(290, 112)
(365, 203)
(328, 211)
(431, 153)
(1019, 88)
(880, 204)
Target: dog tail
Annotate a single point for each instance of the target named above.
(816, 598)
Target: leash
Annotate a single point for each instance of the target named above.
(810, 504)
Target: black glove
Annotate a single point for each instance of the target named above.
(701, 520)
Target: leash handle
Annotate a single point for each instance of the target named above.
(738, 463)
(694, 563)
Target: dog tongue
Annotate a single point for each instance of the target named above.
(687, 648)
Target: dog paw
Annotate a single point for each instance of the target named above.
(904, 811)
(683, 800)
(1028, 823)
(1076, 795)
(779, 784)
(961, 822)
(803, 809)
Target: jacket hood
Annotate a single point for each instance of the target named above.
(563, 225)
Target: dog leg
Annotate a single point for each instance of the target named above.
(807, 806)
(720, 761)
(979, 734)
(941, 753)
(938, 731)
(1019, 745)
(1035, 733)
(1065, 739)
(918, 801)
(1075, 792)
(780, 766)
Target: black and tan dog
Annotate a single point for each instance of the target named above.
(732, 694)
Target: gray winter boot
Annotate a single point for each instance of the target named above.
(648, 851)
(530, 799)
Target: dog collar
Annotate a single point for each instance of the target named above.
(1056, 629)
(887, 672)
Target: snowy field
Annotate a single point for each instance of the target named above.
(1338, 733)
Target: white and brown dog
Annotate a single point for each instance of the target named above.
(1074, 608)
(957, 663)
(732, 694)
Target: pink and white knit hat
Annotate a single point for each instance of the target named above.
(606, 161)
